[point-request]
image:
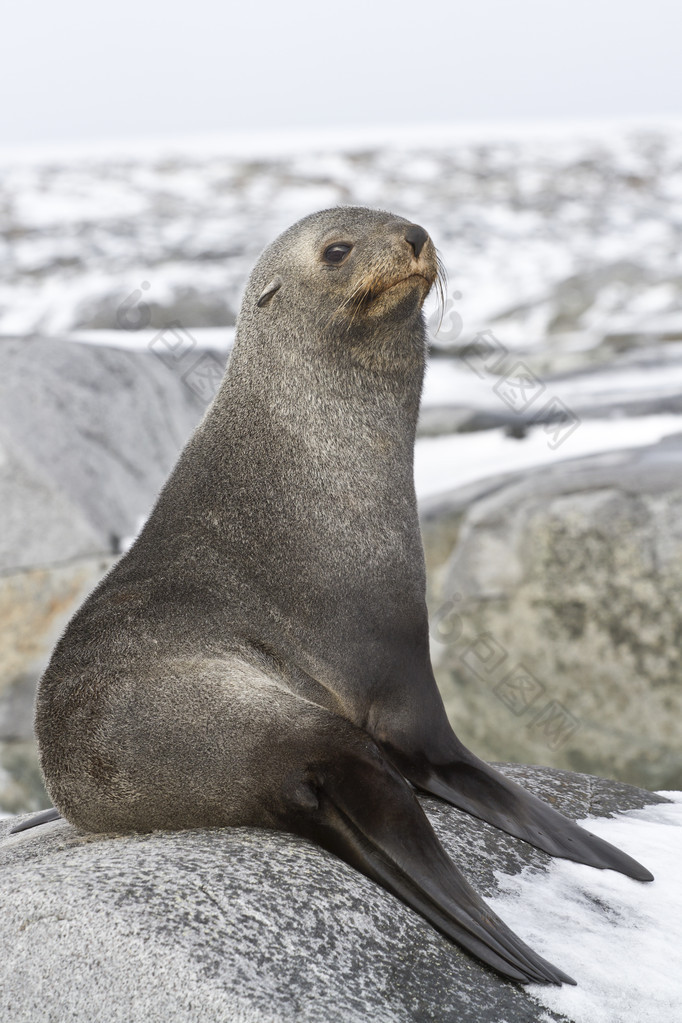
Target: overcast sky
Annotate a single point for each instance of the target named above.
(78, 71)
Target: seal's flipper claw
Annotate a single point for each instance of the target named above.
(473, 786)
(370, 817)
(44, 817)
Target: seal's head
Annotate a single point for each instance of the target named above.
(346, 269)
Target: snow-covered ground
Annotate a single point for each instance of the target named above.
(553, 239)
(620, 939)
(646, 373)
(520, 219)
(442, 463)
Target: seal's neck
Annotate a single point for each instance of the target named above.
(303, 473)
(347, 392)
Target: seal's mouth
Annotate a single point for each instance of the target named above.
(402, 280)
(377, 289)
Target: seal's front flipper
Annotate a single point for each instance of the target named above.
(44, 817)
(369, 816)
(472, 785)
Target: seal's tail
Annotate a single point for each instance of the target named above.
(369, 816)
(473, 786)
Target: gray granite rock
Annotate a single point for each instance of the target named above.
(192, 306)
(243, 926)
(98, 427)
(556, 612)
(35, 605)
(39, 523)
(21, 780)
(88, 436)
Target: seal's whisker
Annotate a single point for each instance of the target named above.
(441, 284)
(362, 291)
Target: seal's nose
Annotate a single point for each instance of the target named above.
(417, 237)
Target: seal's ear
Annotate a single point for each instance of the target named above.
(269, 291)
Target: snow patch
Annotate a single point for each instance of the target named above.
(620, 939)
(443, 463)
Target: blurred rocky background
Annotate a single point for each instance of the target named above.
(548, 463)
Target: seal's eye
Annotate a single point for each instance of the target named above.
(336, 253)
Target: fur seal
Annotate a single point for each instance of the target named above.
(260, 656)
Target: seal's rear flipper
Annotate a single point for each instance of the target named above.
(475, 787)
(369, 816)
(44, 817)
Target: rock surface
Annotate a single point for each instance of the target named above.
(242, 926)
(99, 427)
(88, 436)
(556, 610)
(35, 605)
(192, 306)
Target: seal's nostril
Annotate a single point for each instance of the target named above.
(417, 237)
